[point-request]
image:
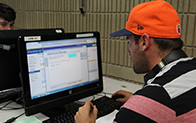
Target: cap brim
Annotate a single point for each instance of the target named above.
(122, 32)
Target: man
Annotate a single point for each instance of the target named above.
(7, 17)
(168, 96)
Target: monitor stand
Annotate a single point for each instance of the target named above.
(61, 109)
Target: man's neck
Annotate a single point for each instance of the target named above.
(170, 57)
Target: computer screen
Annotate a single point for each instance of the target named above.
(9, 72)
(60, 69)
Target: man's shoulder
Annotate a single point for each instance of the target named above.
(155, 92)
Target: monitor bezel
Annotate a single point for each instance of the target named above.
(18, 32)
(51, 101)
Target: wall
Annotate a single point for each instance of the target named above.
(105, 16)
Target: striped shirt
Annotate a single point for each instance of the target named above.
(169, 97)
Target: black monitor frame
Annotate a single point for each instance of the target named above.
(43, 104)
(9, 72)
(18, 32)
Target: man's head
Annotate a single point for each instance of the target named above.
(7, 17)
(151, 25)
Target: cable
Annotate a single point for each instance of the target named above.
(107, 93)
(13, 108)
(104, 93)
(10, 108)
(93, 98)
(13, 118)
(11, 94)
(5, 105)
(81, 8)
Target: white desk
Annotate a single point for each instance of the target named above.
(110, 86)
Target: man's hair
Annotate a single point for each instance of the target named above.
(7, 13)
(164, 44)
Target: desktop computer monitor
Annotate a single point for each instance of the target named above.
(59, 69)
(9, 71)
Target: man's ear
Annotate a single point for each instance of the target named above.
(144, 42)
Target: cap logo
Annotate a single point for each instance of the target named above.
(179, 29)
(139, 27)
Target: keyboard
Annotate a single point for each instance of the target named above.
(105, 105)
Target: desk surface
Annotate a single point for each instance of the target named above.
(110, 86)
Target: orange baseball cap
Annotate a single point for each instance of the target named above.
(156, 18)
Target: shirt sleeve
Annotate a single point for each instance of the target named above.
(151, 104)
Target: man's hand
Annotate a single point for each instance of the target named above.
(85, 114)
(126, 95)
